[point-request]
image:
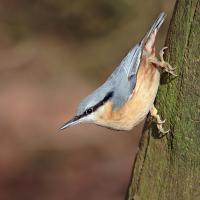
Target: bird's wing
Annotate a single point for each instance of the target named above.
(124, 76)
(131, 62)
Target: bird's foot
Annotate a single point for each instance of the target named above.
(165, 66)
(159, 122)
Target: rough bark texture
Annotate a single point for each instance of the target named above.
(169, 168)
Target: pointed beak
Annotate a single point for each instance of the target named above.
(70, 123)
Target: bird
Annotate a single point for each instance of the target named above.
(128, 94)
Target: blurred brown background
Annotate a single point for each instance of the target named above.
(52, 54)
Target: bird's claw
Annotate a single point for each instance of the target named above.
(165, 65)
(159, 122)
(161, 130)
(161, 53)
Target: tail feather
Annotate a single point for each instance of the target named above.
(156, 25)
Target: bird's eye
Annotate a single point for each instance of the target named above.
(88, 111)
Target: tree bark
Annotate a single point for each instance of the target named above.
(168, 168)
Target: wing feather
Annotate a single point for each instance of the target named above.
(124, 76)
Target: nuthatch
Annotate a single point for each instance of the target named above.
(128, 94)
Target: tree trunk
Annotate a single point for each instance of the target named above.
(168, 168)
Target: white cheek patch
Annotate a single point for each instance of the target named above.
(89, 118)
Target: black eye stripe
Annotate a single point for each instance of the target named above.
(105, 99)
(95, 107)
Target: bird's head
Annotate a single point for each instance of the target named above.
(90, 108)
